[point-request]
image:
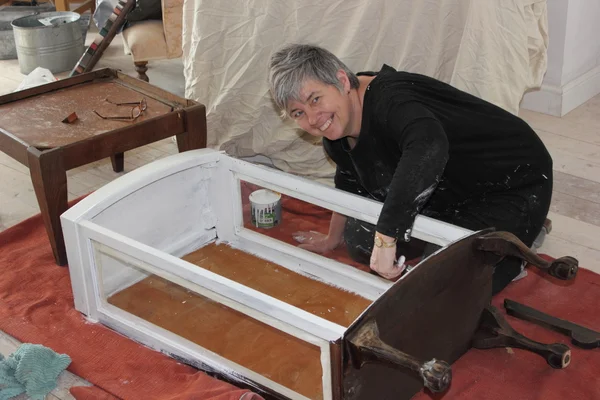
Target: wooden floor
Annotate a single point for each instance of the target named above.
(573, 141)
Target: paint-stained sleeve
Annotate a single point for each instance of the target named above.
(424, 152)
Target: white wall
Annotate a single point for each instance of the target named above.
(557, 28)
(582, 43)
(573, 72)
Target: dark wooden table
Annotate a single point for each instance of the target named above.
(32, 132)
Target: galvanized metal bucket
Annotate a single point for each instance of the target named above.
(52, 40)
(8, 14)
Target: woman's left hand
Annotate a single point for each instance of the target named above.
(383, 261)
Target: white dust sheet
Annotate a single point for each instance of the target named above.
(493, 49)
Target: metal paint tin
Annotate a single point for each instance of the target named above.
(265, 206)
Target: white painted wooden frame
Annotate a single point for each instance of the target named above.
(229, 294)
(206, 184)
(231, 226)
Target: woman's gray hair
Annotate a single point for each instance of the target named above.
(291, 66)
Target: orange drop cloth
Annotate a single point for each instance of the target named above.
(36, 305)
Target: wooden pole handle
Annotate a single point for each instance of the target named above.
(506, 244)
(366, 346)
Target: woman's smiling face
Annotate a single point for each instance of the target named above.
(323, 110)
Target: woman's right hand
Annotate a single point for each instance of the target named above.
(315, 241)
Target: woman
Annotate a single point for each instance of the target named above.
(419, 146)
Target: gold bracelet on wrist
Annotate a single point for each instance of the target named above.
(380, 243)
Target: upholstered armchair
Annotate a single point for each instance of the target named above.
(155, 39)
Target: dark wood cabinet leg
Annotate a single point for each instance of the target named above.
(194, 136)
(505, 244)
(118, 162)
(141, 67)
(365, 346)
(494, 331)
(49, 179)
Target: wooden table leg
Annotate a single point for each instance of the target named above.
(194, 136)
(118, 162)
(49, 179)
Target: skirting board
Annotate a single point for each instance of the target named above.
(558, 101)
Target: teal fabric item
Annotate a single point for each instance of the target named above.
(32, 369)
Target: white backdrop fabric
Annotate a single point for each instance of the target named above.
(493, 49)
